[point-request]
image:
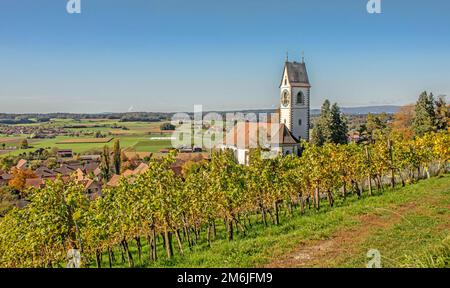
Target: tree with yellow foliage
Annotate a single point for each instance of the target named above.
(403, 120)
(19, 179)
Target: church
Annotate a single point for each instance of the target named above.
(283, 133)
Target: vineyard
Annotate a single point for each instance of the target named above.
(159, 214)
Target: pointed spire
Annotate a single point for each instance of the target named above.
(303, 56)
(287, 56)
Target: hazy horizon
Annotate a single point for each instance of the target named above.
(204, 111)
(167, 56)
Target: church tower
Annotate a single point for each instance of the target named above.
(294, 99)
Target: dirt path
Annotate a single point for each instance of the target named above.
(343, 243)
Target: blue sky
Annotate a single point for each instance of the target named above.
(167, 55)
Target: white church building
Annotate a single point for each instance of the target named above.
(283, 134)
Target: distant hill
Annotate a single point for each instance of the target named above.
(9, 118)
(389, 109)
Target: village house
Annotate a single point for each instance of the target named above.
(66, 153)
(65, 170)
(93, 189)
(114, 181)
(94, 158)
(79, 175)
(34, 183)
(97, 172)
(44, 172)
(354, 136)
(129, 174)
(142, 168)
(4, 178)
(22, 164)
(90, 167)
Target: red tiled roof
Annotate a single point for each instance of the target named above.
(44, 172)
(128, 173)
(89, 183)
(79, 174)
(5, 176)
(21, 164)
(97, 171)
(35, 183)
(90, 167)
(65, 170)
(251, 134)
(114, 181)
(140, 169)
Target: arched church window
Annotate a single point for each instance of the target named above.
(300, 122)
(300, 98)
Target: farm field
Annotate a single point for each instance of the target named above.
(7, 140)
(150, 145)
(410, 227)
(133, 136)
(85, 140)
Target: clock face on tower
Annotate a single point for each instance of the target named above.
(285, 98)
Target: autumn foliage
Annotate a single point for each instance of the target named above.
(19, 177)
(160, 207)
